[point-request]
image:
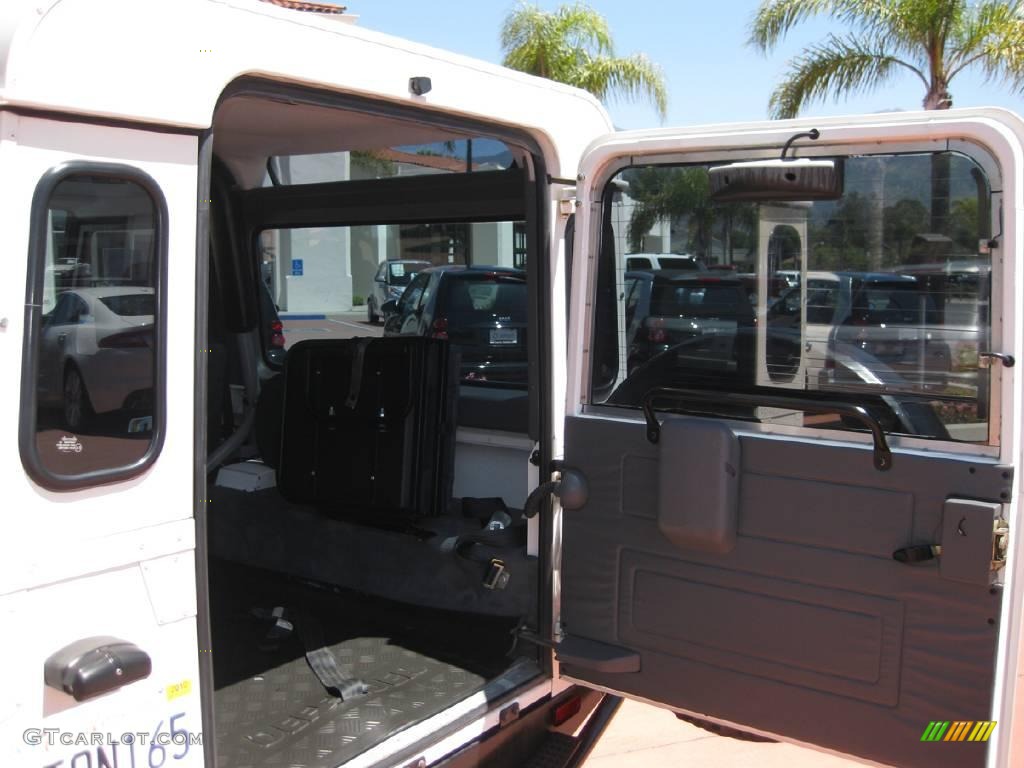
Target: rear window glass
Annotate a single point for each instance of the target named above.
(132, 305)
(695, 300)
(893, 304)
(487, 295)
(670, 263)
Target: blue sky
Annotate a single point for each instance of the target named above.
(712, 75)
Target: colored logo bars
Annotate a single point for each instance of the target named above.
(959, 730)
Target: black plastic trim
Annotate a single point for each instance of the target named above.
(33, 311)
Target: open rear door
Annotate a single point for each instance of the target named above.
(811, 559)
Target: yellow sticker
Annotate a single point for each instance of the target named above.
(177, 690)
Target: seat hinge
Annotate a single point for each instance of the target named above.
(1000, 543)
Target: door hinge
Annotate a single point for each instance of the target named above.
(1000, 543)
(508, 715)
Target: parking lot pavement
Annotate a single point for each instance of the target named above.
(347, 325)
(642, 736)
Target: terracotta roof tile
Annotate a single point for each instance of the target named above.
(302, 5)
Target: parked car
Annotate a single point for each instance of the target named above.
(97, 352)
(663, 261)
(482, 310)
(890, 316)
(666, 307)
(389, 281)
(271, 329)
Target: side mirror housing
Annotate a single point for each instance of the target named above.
(389, 307)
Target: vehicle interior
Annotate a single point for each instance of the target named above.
(366, 548)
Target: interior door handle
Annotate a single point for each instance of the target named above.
(881, 454)
(96, 665)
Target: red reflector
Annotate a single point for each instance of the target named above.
(566, 710)
(276, 327)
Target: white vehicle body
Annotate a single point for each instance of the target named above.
(148, 86)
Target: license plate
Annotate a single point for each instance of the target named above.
(504, 336)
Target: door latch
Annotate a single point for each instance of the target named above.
(985, 359)
(1000, 543)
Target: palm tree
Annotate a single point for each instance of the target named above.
(574, 46)
(934, 40)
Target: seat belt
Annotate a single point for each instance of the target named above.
(318, 654)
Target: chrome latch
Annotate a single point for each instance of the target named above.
(1000, 542)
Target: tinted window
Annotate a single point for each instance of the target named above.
(90, 397)
(131, 305)
(410, 299)
(474, 296)
(880, 298)
(670, 263)
(401, 274)
(697, 300)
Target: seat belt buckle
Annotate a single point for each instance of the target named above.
(497, 575)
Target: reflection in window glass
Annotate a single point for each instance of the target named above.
(96, 345)
(455, 155)
(879, 298)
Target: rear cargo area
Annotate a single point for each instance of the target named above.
(366, 553)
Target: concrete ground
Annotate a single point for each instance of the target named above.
(642, 736)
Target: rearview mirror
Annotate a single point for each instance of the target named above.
(782, 180)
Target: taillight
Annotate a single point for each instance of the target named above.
(656, 331)
(277, 334)
(127, 340)
(439, 330)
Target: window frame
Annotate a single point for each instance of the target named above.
(987, 157)
(38, 233)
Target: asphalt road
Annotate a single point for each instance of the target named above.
(348, 325)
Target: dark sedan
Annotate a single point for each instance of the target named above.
(481, 310)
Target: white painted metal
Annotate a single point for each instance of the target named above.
(118, 559)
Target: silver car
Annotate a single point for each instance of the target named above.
(97, 352)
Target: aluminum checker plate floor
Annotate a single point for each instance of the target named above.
(284, 717)
(272, 712)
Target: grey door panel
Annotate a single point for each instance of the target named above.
(807, 626)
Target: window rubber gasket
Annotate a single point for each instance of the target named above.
(28, 420)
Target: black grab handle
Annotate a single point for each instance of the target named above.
(882, 454)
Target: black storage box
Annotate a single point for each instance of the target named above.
(369, 426)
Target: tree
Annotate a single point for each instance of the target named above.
(934, 40)
(574, 46)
